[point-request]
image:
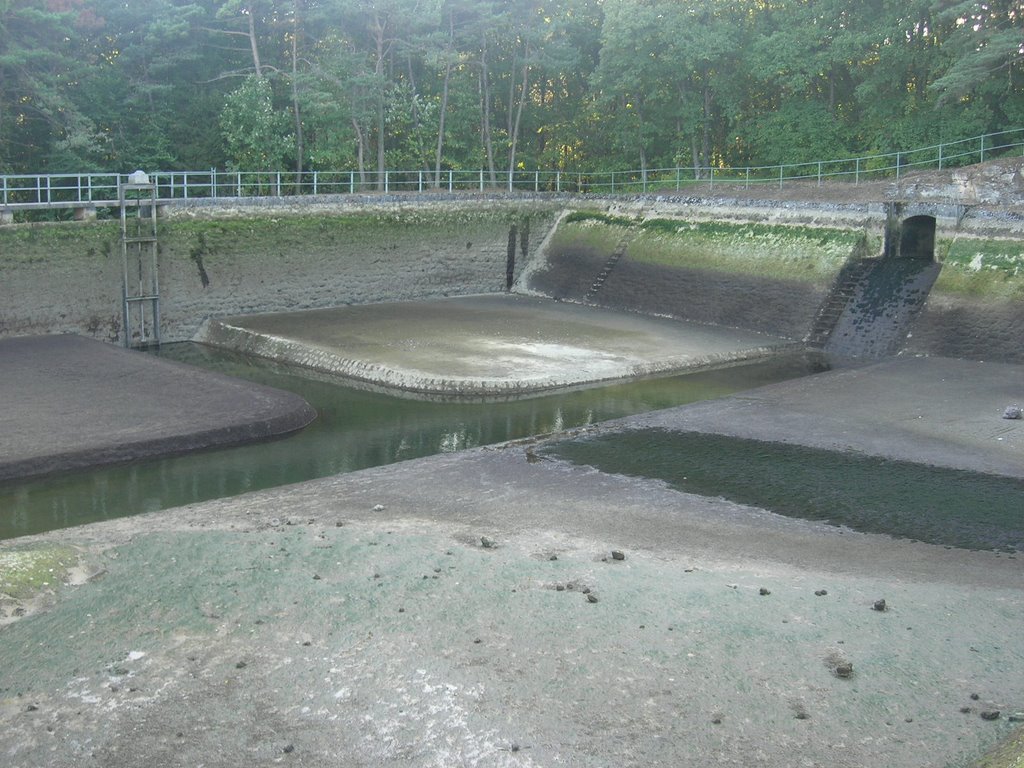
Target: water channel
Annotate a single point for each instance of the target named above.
(355, 429)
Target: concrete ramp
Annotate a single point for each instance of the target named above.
(484, 346)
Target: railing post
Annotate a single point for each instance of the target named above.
(184, 184)
(897, 166)
(677, 178)
(451, 180)
(351, 182)
(419, 184)
(558, 181)
(747, 183)
(613, 182)
(856, 173)
(982, 150)
(5, 190)
(940, 157)
(481, 179)
(780, 176)
(238, 184)
(536, 181)
(213, 182)
(510, 178)
(819, 173)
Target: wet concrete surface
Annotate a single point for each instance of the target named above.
(466, 609)
(69, 403)
(495, 344)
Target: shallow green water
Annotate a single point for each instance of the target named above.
(940, 506)
(354, 430)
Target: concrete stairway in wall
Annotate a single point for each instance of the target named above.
(844, 289)
(880, 302)
(617, 254)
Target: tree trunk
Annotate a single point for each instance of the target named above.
(514, 133)
(299, 148)
(360, 151)
(254, 46)
(444, 98)
(378, 30)
(485, 115)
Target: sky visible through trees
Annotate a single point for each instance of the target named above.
(428, 85)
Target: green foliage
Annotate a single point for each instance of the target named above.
(570, 85)
(256, 134)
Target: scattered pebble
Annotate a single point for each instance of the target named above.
(1012, 412)
(31, 708)
(560, 587)
(966, 710)
(844, 670)
(975, 697)
(553, 558)
(764, 591)
(379, 507)
(288, 749)
(591, 597)
(1016, 717)
(617, 555)
(240, 665)
(879, 605)
(275, 522)
(487, 543)
(316, 577)
(820, 592)
(716, 718)
(990, 714)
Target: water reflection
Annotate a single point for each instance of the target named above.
(354, 430)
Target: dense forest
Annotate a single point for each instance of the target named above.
(496, 84)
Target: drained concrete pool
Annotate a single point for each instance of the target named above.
(355, 429)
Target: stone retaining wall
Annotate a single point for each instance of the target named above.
(280, 255)
(66, 278)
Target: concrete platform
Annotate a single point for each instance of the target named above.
(69, 403)
(497, 344)
(361, 619)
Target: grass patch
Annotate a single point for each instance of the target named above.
(25, 572)
(981, 267)
(775, 251)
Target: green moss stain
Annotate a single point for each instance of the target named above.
(24, 572)
(773, 251)
(981, 267)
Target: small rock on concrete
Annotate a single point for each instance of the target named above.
(820, 592)
(764, 591)
(990, 714)
(880, 605)
(1013, 412)
(844, 670)
(617, 555)
(488, 543)
(591, 597)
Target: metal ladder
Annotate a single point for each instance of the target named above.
(141, 284)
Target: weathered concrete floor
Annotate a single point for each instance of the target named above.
(69, 402)
(484, 345)
(358, 620)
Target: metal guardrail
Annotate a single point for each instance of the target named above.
(95, 190)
